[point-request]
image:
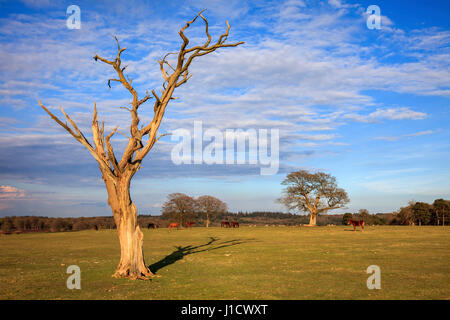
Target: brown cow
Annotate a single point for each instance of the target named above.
(234, 224)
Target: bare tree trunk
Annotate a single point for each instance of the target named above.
(180, 219)
(132, 264)
(313, 219)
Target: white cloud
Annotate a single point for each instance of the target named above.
(395, 138)
(9, 192)
(307, 71)
(335, 3)
(397, 114)
(401, 113)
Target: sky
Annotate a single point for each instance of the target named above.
(368, 106)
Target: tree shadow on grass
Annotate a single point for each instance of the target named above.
(180, 251)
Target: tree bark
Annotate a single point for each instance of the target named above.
(132, 263)
(313, 219)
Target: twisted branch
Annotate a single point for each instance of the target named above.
(174, 77)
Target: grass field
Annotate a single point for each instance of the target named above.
(244, 263)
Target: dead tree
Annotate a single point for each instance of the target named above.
(117, 173)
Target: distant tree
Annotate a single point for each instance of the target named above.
(43, 224)
(80, 225)
(210, 207)
(19, 223)
(441, 208)
(58, 225)
(313, 192)
(27, 223)
(7, 225)
(406, 214)
(363, 214)
(347, 216)
(421, 212)
(377, 220)
(180, 207)
(34, 223)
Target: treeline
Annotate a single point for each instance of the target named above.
(19, 224)
(28, 224)
(422, 213)
(415, 213)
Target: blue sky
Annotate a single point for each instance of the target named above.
(370, 107)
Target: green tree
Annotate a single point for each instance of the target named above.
(210, 207)
(312, 192)
(421, 212)
(377, 220)
(363, 214)
(441, 208)
(179, 207)
(406, 214)
(347, 216)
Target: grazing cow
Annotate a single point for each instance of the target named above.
(152, 225)
(174, 225)
(189, 224)
(225, 224)
(95, 227)
(234, 224)
(356, 223)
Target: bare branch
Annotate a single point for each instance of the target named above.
(59, 121)
(172, 80)
(97, 134)
(111, 156)
(156, 96)
(143, 100)
(124, 135)
(116, 65)
(82, 139)
(109, 81)
(162, 135)
(126, 108)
